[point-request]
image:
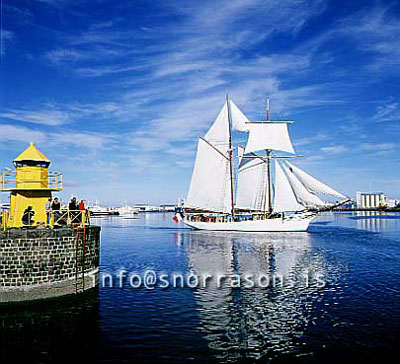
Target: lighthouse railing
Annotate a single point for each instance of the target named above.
(8, 182)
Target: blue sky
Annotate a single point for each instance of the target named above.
(115, 92)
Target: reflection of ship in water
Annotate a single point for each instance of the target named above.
(248, 323)
(61, 330)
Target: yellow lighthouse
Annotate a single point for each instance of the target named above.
(31, 184)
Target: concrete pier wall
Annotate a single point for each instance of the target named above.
(44, 263)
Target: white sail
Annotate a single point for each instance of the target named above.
(285, 199)
(269, 135)
(210, 187)
(239, 120)
(218, 134)
(240, 151)
(252, 185)
(303, 195)
(312, 184)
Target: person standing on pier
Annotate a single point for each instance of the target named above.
(73, 210)
(56, 207)
(27, 217)
(72, 204)
(48, 209)
(82, 209)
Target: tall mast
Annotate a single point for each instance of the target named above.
(269, 181)
(230, 154)
(268, 155)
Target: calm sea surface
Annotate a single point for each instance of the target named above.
(355, 317)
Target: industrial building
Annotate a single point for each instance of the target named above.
(367, 200)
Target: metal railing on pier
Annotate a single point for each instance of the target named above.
(54, 219)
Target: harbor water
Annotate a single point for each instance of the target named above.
(353, 316)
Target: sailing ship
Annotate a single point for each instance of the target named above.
(272, 194)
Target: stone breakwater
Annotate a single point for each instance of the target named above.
(44, 263)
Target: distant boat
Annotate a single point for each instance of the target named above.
(272, 194)
(127, 210)
(168, 208)
(97, 210)
(147, 208)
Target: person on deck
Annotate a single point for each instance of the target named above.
(56, 207)
(72, 204)
(27, 217)
(48, 210)
(82, 209)
(73, 210)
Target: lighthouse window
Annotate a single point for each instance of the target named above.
(32, 164)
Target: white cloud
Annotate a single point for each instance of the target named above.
(334, 149)
(79, 55)
(7, 37)
(381, 148)
(373, 31)
(97, 71)
(61, 139)
(319, 137)
(20, 134)
(104, 24)
(66, 55)
(83, 141)
(183, 69)
(45, 117)
(389, 111)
